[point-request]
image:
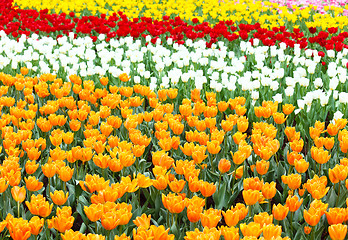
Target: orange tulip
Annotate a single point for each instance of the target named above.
(70, 234)
(280, 212)
(251, 230)
(207, 189)
(58, 197)
(262, 167)
(160, 183)
(33, 184)
(18, 193)
(252, 183)
(293, 181)
(39, 206)
(269, 190)
(194, 213)
(238, 137)
(288, 109)
(143, 221)
(332, 129)
(177, 185)
(279, 118)
(338, 173)
(101, 160)
(297, 145)
(301, 165)
(65, 173)
(263, 219)
(49, 169)
(307, 230)
(250, 196)
(224, 165)
(3, 185)
(238, 157)
(210, 218)
(63, 221)
(338, 231)
(230, 233)
(174, 203)
(231, 217)
(94, 212)
(271, 231)
(293, 203)
(19, 229)
(31, 167)
(320, 155)
(110, 221)
(335, 215)
(213, 147)
(312, 216)
(36, 225)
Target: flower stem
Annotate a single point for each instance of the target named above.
(18, 209)
(312, 233)
(291, 216)
(219, 183)
(338, 193)
(211, 162)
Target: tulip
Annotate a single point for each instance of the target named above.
(280, 212)
(271, 231)
(94, 212)
(143, 221)
(33, 184)
(18, 194)
(207, 189)
(210, 218)
(269, 190)
(262, 167)
(174, 203)
(224, 165)
(301, 165)
(39, 206)
(252, 229)
(231, 217)
(31, 167)
(177, 185)
(19, 229)
(335, 215)
(110, 221)
(194, 213)
(338, 231)
(293, 203)
(3, 185)
(58, 197)
(312, 217)
(230, 233)
(250, 196)
(288, 109)
(36, 225)
(263, 219)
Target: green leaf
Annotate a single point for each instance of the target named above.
(80, 211)
(220, 196)
(331, 197)
(83, 228)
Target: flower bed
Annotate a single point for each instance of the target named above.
(130, 125)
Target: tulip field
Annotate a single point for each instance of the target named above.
(156, 120)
